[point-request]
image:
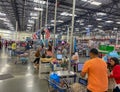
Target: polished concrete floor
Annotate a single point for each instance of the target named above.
(25, 77)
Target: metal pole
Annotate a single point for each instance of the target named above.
(55, 22)
(117, 40)
(46, 14)
(41, 20)
(16, 31)
(41, 13)
(68, 34)
(72, 29)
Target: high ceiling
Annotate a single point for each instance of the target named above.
(93, 14)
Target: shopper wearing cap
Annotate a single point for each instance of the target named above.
(96, 69)
(114, 62)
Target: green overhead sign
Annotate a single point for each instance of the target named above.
(106, 49)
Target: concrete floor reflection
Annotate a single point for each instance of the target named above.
(25, 78)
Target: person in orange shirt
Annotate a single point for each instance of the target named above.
(96, 69)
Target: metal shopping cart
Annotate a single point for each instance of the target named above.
(22, 56)
(62, 86)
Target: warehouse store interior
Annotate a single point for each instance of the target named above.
(59, 45)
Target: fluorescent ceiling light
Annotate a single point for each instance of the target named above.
(84, 0)
(86, 28)
(115, 28)
(34, 17)
(90, 25)
(81, 24)
(66, 14)
(95, 3)
(39, 1)
(38, 9)
(100, 26)
(60, 21)
(78, 21)
(101, 14)
(98, 19)
(31, 21)
(118, 22)
(6, 22)
(29, 25)
(2, 14)
(34, 14)
(92, 2)
(109, 21)
(3, 19)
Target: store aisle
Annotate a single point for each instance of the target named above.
(25, 78)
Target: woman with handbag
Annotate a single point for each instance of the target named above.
(114, 62)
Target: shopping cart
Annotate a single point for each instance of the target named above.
(54, 86)
(22, 56)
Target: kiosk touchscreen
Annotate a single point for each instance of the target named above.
(59, 57)
(79, 67)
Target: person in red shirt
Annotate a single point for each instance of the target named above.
(114, 62)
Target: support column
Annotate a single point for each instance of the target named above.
(54, 42)
(46, 20)
(72, 29)
(16, 31)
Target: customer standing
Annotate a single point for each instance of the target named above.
(96, 69)
(14, 46)
(114, 62)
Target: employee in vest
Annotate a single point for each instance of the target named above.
(96, 69)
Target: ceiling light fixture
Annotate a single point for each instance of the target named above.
(31, 21)
(118, 22)
(96, 3)
(34, 17)
(3, 19)
(109, 21)
(38, 9)
(2, 14)
(101, 14)
(92, 2)
(29, 25)
(85, 0)
(40, 2)
(115, 28)
(90, 25)
(66, 14)
(81, 24)
(52, 24)
(34, 14)
(98, 19)
(100, 26)
(60, 21)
